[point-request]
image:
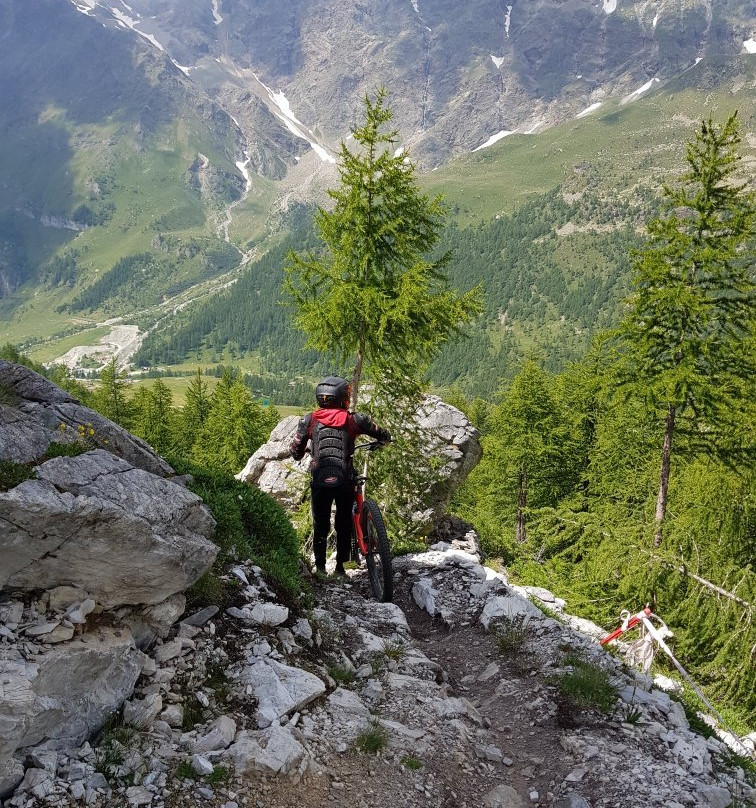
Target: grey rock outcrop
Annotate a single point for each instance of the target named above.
(452, 447)
(84, 521)
(66, 694)
(34, 413)
(272, 469)
(96, 550)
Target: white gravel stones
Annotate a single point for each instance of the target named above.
(60, 633)
(714, 796)
(173, 715)
(167, 651)
(508, 607)
(425, 595)
(141, 713)
(41, 629)
(219, 735)
(269, 614)
(347, 702)
(302, 630)
(38, 782)
(278, 688)
(201, 765)
(78, 613)
(201, 617)
(136, 795)
(261, 614)
(273, 751)
(503, 796)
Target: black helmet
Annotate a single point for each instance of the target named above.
(333, 391)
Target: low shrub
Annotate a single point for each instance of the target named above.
(250, 526)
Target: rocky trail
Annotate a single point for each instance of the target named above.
(445, 698)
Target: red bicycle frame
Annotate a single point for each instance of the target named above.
(359, 499)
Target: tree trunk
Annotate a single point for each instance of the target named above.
(357, 374)
(661, 500)
(522, 504)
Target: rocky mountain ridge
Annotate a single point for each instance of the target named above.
(460, 77)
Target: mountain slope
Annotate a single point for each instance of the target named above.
(152, 148)
(459, 73)
(116, 152)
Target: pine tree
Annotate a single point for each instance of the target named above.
(372, 298)
(193, 414)
(236, 425)
(156, 417)
(692, 315)
(110, 397)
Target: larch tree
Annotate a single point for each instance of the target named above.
(110, 398)
(372, 297)
(691, 318)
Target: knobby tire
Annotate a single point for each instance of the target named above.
(378, 558)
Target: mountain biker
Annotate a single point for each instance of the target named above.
(332, 430)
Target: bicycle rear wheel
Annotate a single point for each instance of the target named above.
(378, 558)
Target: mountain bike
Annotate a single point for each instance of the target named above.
(369, 537)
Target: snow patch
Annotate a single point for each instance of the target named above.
(85, 6)
(698, 59)
(493, 139)
(588, 110)
(750, 45)
(609, 6)
(640, 91)
(295, 126)
(184, 68)
(507, 20)
(533, 128)
(416, 6)
(497, 60)
(129, 22)
(656, 19)
(217, 19)
(399, 152)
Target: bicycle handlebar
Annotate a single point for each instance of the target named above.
(370, 445)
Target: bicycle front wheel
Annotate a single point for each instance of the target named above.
(378, 558)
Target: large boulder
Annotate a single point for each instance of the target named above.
(64, 695)
(94, 521)
(34, 413)
(273, 470)
(449, 437)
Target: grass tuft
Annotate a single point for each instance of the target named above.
(412, 763)
(13, 474)
(372, 739)
(511, 634)
(587, 686)
(341, 674)
(394, 649)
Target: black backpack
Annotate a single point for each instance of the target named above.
(331, 456)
